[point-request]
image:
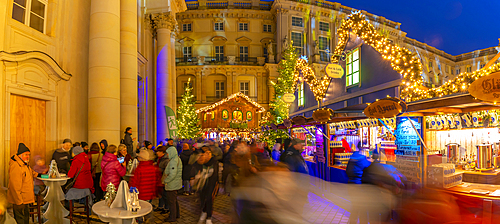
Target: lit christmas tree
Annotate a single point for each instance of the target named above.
(187, 119)
(279, 109)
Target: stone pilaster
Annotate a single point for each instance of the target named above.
(128, 67)
(104, 72)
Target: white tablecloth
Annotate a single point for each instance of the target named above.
(120, 215)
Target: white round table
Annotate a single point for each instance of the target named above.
(55, 212)
(120, 215)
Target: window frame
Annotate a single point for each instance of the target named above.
(296, 19)
(243, 55)
(28, 13)
(430, 64)
(323, 23)
(220, 93)
(187, 27)
(301, 46)
(219, 26)
(243, 26)
(300, 95)
(468, 68)
(323, 55)
(244, 90)
(189, 54)
(218, 55)
(350, 64)
(267, 28)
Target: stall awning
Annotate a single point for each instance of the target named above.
(458, 103)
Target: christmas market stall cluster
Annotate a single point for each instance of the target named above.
(236, 116)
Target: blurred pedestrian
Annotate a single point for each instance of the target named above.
(187, 171)
(293, 156)
(172, 178)
(206, 183)
(41, 168)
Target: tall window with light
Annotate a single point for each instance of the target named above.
(353, 67)
(300, 98)
(324, 44)
(297, 42)
(219, 53)
(186, 51)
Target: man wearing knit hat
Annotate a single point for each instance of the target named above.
(62, 156)
(21, 190)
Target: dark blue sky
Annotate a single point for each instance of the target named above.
(453, 26)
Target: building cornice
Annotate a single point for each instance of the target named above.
(224, 13)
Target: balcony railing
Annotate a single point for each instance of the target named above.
(228, 60)
(225, 4)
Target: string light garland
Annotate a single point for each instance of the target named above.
(318, 87)
(402, 60)
(238, 94)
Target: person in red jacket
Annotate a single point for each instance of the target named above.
(144, 178)
(84, 178)
(112, 170)
(346, 146)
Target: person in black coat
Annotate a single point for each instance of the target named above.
(187, 169)
(206, 182)
(129, 141)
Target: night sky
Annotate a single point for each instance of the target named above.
(453, 26)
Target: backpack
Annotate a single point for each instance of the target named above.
(122, 141)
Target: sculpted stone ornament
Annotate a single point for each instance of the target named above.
(162, 20)
(270, 48)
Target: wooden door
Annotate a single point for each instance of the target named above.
(28, 125)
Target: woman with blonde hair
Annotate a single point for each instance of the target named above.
(122, 152)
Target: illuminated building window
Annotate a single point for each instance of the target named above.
(469, 68)
(219, 53)
(243, 26)
(324, 26)
(243, 53)
(264, 50)
(267, 28)
(430, 64)
(447, 68)
(245, 88)
(186, 27)
(482, 65)
(297, 21)
(186, 52)
(324, 44)
(219, 26)
(219, 90)
(300, 98)
(353, 67)
(30, 12)
(439, 66)
(458, 71)
(297, 42)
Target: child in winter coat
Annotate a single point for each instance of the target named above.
(41, 168)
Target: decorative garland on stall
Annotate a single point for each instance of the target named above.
(318, 87)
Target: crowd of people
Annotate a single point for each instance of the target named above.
(181, 167)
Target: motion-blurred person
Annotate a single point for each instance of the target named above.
(62, 156)
(41, 168)
(187, 171)
(112, 170)
(275, 154)
(5, 217)
(216, 150)
(172, 178)
(357, 163)
(21, 190)
(206, 183)
(284, 147)
(229, 168)
(293, 157)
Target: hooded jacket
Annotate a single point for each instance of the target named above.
(357, 163)
(112, 170)
(62, 158)
(173, 173)
(105, 142)
(84, 179)
(145, 180)
(21, 188)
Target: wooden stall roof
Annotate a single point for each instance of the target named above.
(238, 94)
(457, 103)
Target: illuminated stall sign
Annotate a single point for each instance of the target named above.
(407, 139)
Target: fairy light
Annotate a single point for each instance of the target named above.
(238, 94)
(318, 87)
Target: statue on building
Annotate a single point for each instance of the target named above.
(285, 42)
(270, 48)
(316, 47)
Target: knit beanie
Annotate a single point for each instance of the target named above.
(146, 155)
(22, 148)
(77, 150)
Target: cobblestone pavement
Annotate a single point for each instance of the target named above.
(317, 211)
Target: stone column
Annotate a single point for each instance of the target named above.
(203, 90)
(173, 76)
(164, 23)
(229, 78)
(128, 67)
(281, 31)
(104, 72)
(260, 91)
